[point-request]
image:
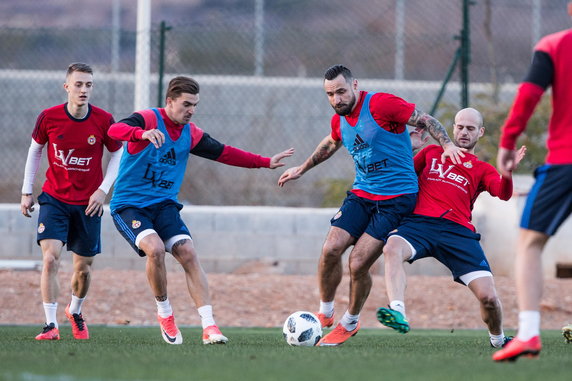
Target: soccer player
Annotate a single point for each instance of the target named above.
(73, 194)
(372, 128)
(441, 227)
(549, 202)
(144, 204)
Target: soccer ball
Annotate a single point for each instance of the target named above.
(302, 329)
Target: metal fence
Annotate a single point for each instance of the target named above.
(260, 66)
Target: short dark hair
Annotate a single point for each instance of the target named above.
(180, 85)
(336, 70)
(79, 66)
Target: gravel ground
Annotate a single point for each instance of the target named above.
(263, 299)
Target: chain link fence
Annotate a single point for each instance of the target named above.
(260, 66)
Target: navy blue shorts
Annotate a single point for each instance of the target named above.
(452, 244)
(549, 202)
(377, 218)
(69, 224)
(162, 218)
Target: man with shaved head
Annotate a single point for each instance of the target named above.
(440, 226)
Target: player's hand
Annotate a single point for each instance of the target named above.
(512, 157)
(506, 161)
(275, 160)
(452, 152)
(290, 174)
(418, 139)
(95, 205)
(27, 205)
(520, 154)
(154, 136)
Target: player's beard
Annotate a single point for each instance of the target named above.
(346, 109)
(468, 145)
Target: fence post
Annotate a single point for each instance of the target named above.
(462, 55)
(465, 53)
(259, 38)
(162, 36)
(142, 55)
(399, 37)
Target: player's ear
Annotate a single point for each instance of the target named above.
(481, 131)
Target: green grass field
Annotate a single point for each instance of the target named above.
(131, 353)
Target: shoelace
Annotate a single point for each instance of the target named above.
(169, 325)
(78, 318)
(48, 328)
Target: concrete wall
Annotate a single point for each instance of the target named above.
(284, 240)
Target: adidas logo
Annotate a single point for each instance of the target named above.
(169, 158)
(359, 143)
(483, 263)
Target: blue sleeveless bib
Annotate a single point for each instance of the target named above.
(152, 175)
(383, 160)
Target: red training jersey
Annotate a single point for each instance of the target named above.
(551, 66)
(389, 111)
(75, 149)
(450, 190)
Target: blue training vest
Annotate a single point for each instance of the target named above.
(152, 175)
(383, 160)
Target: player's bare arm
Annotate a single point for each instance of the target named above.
(426, 122)
(323, 151)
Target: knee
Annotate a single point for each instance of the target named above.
(155, 254)
(83, 272)
(393, 251)
(51, 261)
(358, 266)
(332, 251)
(187, 257)
(532, 239)
(489, 301)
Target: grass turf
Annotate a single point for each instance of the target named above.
(139, 353)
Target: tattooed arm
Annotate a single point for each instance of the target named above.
(426, 122)
(323, 151)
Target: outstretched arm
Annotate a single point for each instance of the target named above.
(426, 122)
(323, 151)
